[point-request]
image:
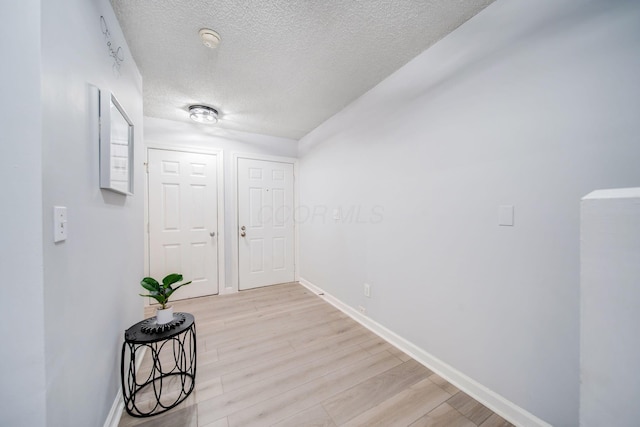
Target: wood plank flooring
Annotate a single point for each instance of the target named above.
(281, 356)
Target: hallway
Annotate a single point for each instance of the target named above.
(282, 356)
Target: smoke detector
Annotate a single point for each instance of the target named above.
(210, 38)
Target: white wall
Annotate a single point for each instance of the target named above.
(610, 298)
(531, 104)
(182, 134)
(91, 281)
(22, 397)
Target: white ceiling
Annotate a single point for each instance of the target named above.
(283, 66)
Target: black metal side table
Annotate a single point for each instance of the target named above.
(171, 374)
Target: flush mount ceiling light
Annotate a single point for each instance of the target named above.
(210, 38)
(203, 114)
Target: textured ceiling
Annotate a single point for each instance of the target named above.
(283, 66)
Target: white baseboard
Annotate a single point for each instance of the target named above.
(113, 418)
(498, 404)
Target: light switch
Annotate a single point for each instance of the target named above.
(59, 223)
(505, 215)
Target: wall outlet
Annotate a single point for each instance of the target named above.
(362, 310)
(367, 290)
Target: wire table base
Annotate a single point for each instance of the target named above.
(170, 376)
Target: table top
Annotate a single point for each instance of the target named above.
(135, 334)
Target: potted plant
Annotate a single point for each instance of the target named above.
(161, 293)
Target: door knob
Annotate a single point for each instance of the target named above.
(243, 234)
(243, 228)
(213, 233)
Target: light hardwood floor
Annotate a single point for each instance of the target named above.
(281, 356)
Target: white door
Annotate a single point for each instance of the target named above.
(183, 220)
(265, 223)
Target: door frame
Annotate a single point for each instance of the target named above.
(220, 193)
(235, 260)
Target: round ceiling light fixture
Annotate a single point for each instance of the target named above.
(210, 38)
(203, 114)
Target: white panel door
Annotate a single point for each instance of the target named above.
(183, 219)
(265, 223)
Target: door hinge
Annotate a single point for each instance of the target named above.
(146, 167)
(148, 228)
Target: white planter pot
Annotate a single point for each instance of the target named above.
(164, 316)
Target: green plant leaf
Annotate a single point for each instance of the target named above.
(162, 300)
(179, 286)
(161, 293)
(171, 279)
(170, 290)
(150, 284)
